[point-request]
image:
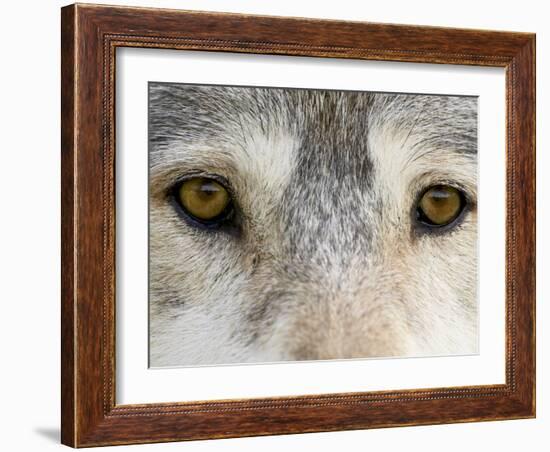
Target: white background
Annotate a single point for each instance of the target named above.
(29, 247)
(136, 383)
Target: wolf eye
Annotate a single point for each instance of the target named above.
(203, 199)
(440, 205)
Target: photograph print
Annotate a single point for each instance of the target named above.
(302, 224)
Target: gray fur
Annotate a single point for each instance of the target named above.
(326, 261)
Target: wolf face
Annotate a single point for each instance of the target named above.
(324, 253)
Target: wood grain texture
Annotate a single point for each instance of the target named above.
(68, 242)
(90, 36)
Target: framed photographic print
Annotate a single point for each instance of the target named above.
(280, 225)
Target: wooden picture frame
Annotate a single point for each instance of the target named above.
(90, 35)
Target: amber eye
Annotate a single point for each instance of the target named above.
(440, 205)
(204, 199)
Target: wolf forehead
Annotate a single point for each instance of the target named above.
(317, 132)
(330, 120)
